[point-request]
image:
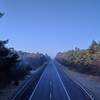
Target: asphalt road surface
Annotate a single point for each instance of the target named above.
(54, 84)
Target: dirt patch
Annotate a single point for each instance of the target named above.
(91, 83)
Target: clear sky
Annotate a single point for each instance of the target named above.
(50, 26)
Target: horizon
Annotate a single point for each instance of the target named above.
(50, 26)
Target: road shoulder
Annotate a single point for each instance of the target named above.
(90, 83)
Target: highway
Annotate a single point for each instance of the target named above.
(54, 84)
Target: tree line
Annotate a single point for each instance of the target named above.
(9, 62)
(82, 60)
(14, 66)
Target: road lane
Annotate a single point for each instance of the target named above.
(74, 90)
(54, 84)
(42, 89)
(49, 87)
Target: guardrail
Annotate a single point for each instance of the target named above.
(77, 83)
(24, 91)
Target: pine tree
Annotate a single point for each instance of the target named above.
(93, 47)
(8, 61)
(1, 14)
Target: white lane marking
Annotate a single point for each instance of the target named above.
(50, 95)
(37, 86)
(50, 90)
(22, 88)
(90, 96)
(27, 81)
(62, 84)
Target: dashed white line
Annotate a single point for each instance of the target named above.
(62, 84)
(50, 95)
(50, 90)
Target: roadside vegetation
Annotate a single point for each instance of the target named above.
(8, 62)
(14, 66)
(35, 60)
(82, 60)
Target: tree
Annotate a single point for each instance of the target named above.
(1, 14)
(93, 47)
(8, 61)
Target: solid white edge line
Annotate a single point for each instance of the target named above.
(91, 97)
(62, 84)
(13, 98)
(21, 89)
(36, 86)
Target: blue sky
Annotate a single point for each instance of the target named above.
(50, 26)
